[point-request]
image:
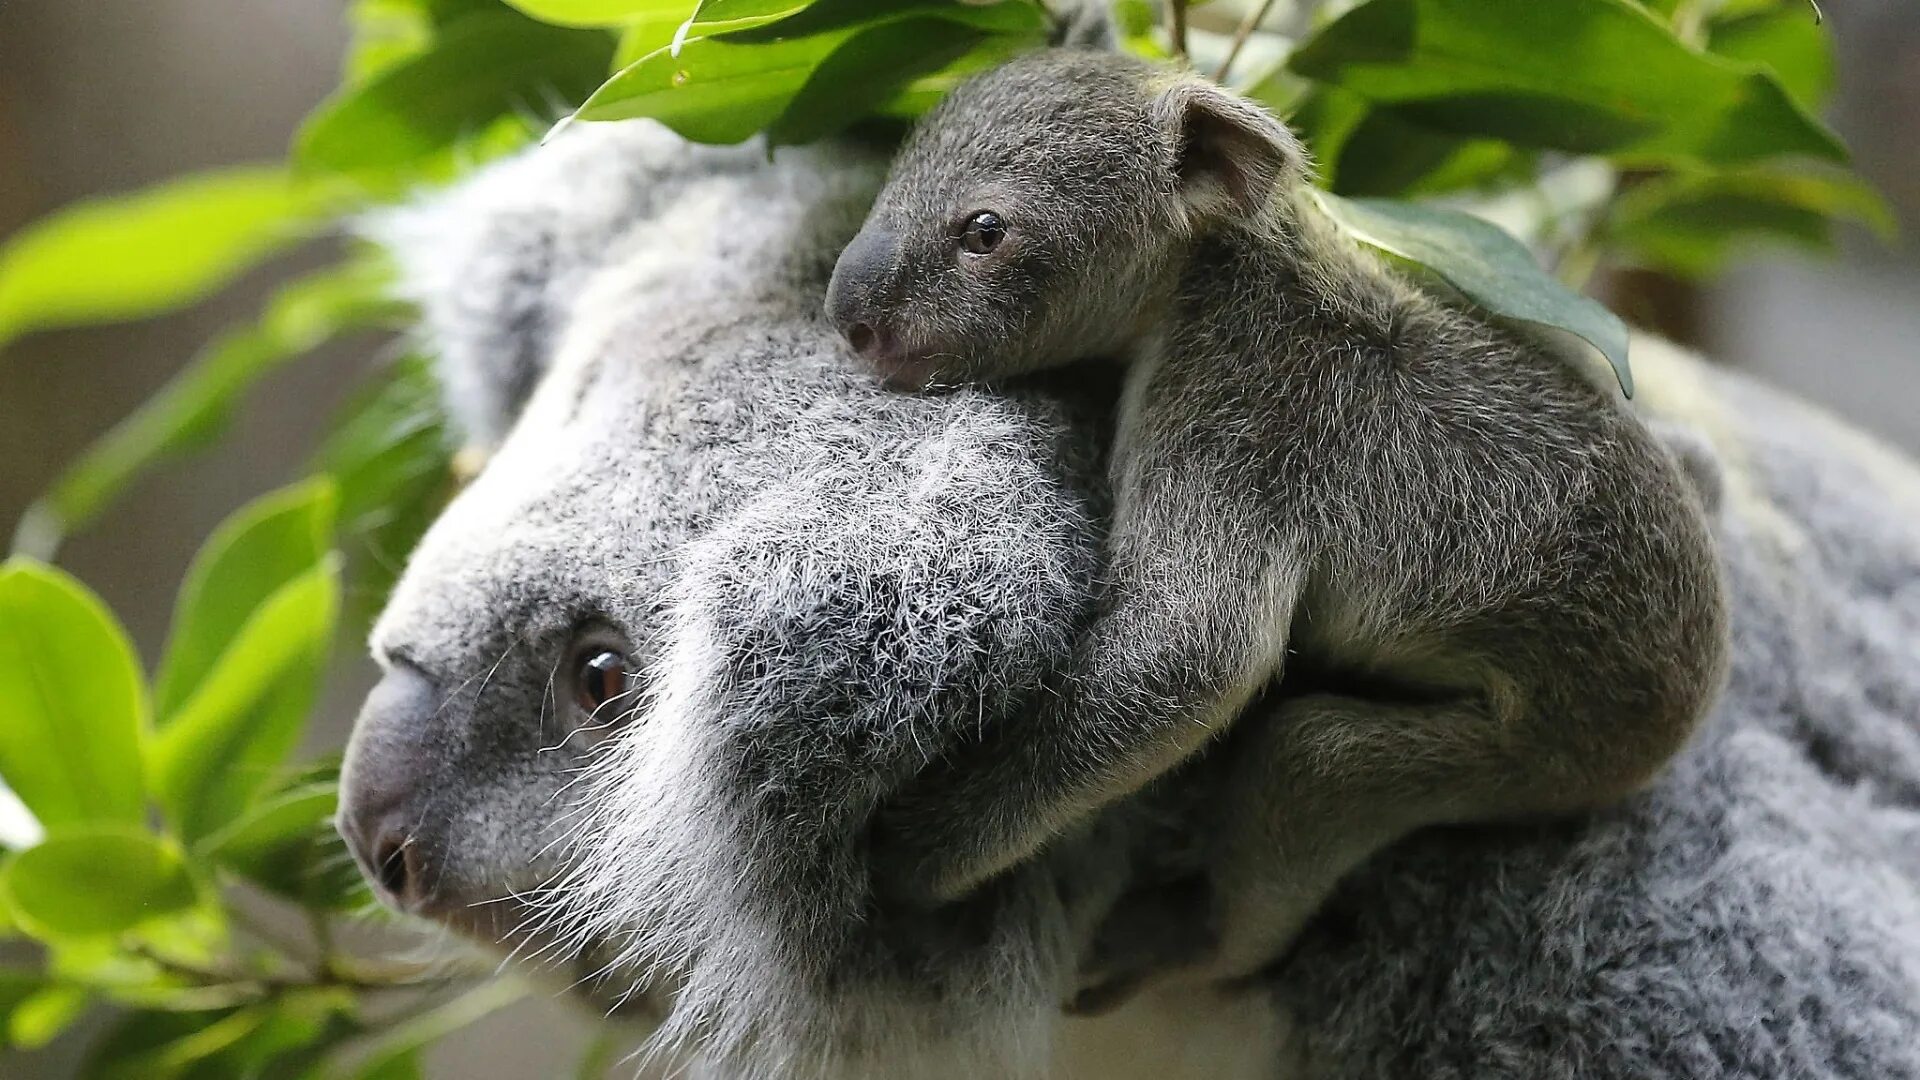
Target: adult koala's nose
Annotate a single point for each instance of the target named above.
(385, 785)
(858, 291)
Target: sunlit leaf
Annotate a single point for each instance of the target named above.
(249, 556)
(1692, 224)
(73, 699)
(286, 844)
(726, 89)
(1022, 17)
(713, 92)
(866, 70)
(1789, 42)
(480, 68)
(130, 256)
(96, 881)
(612, 13)
(196, 404)
(40, 1018)
(1487, 266)
(1616, 81)
(221, 746)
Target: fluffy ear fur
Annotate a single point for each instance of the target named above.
(1230, 154)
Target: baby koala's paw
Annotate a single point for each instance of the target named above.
(1153, 931)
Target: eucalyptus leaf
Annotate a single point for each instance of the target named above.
(1023, 17)
(40, 1018)
(75, 702)
(866, 70)
(1692, 224)
(492, 64)
(727, 88)
(1789, 42)
(390, 459)
(196, 404)
(249, 556)
(1626, 86)
(131, 256)
(1487, 266)
(93, 882)
(605, 13)
(713, 92)
(222, 745)
(285, 843)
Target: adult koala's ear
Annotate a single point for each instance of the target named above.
(1230, 155)
(1083, 24)
(494, 262)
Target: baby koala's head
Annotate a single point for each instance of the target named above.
(1035, 217)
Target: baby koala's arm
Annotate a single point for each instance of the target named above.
(1200, 590)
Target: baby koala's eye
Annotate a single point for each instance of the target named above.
(983, 232)
(604, 676)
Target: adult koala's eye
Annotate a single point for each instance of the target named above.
(983, 232)
(604, 675)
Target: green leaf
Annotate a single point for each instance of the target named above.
(220, 748)
(1789, 42)
(95, 882)
(925, 91)
(389, 456)
(725, 89)
(1022, 17)
(17, 987)
(1487, 266)
(39, 1019)
(609, 13)
(867, 69)
(394, 127)
(199, 401)
(249, 556)
(713, 92)
(1385, 155)
(1692, 224)
(287, 845)
(73, 699)
(1615, 81)
(131, 256)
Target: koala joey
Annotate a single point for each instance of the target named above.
(1315, 460)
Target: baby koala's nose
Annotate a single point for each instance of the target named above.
(855, 294)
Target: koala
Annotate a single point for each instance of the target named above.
(1768, 872)
(713, 600)
(1505, 586)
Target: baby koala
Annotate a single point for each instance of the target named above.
(1316, 462)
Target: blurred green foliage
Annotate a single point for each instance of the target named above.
(165, 814)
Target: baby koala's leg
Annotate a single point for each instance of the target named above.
(1326, 781)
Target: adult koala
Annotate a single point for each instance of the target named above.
(823, 587)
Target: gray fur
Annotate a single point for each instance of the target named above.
(1318, 465)
(738, 500)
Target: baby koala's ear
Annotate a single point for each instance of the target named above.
(1230, 155)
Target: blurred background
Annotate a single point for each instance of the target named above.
(110, 95)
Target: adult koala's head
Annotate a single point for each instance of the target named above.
(715, 597)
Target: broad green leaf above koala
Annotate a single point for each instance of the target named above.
(1631, 90)
(1487, 265)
